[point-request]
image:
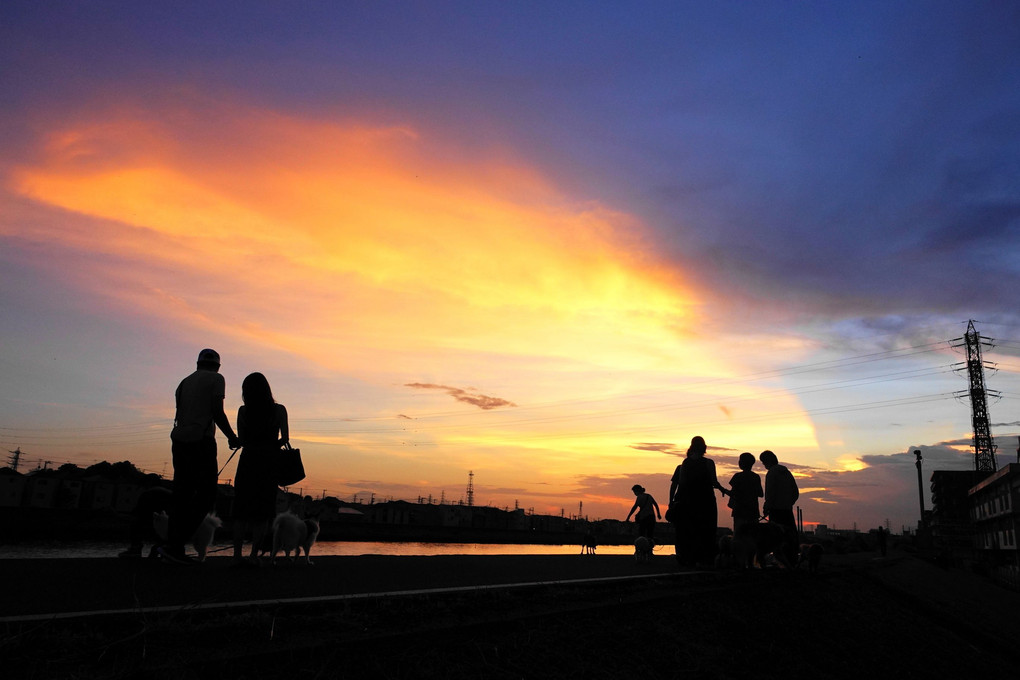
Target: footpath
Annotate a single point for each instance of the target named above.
(65, 587)
(504, 617)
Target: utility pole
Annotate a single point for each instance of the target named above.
(920, 483)
(984, 447)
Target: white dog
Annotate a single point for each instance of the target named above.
(200, 540)
(290, 532)
(642, 549)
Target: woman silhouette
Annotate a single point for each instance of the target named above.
(262, 428)
(692, 494)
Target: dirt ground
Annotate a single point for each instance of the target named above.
(901, 617)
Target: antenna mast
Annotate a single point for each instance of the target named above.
(471, 488)
(984, 447)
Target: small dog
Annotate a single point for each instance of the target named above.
(588, 544)
(743, 548)
(763, 539)
(290, 532)
(642, 549)
(200, 540)
(812, 554)
(725, 557)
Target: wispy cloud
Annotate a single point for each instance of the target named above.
(468, 396)
(662, 447)
(671, 449)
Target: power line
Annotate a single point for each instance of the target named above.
(148, 432)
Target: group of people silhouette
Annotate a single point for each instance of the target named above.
(262, 428)
(692, 502)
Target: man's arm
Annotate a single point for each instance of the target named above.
(220, 418)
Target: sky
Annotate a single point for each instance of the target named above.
(543, 243)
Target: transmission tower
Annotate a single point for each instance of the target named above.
(984, 447)
(15, 458)
(471, 488)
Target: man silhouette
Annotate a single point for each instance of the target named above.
(199, 400)
(781, 493)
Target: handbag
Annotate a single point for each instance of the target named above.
(289, 468)
(673, 512)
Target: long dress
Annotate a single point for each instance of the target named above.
(698, 515)
(255, 484)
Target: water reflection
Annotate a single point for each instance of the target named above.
(110, 549)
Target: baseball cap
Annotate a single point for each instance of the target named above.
(210, 355)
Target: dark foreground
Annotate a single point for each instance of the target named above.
(899, 617)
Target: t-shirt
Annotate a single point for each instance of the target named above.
(644, 503)
(745, 490)
(199, 396)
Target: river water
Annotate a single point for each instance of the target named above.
(38, 550)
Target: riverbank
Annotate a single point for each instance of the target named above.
(860, 615)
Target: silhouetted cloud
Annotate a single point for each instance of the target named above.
(468, 396)
(671, 449)
(661, 447)
(607, 487)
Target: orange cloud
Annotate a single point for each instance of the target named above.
(381, 253)
(348, 233)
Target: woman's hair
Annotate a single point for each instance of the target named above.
(637, 488)
(255, 391)
(261, 409)
(698, 447)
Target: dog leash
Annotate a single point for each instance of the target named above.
(233, 453)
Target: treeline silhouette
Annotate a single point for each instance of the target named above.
(95, 502)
